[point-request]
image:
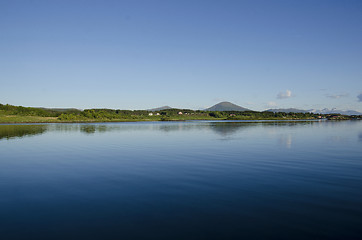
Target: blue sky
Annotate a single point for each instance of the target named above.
(189, 54)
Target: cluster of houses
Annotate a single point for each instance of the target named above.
(158, 114)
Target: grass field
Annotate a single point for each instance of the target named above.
(25, 119)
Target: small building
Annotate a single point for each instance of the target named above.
(179, 113)
(150, 114)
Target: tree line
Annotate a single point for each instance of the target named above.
(167, 114)
(32, 111)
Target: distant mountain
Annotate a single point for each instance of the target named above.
(334, 110)
(61, 109)
(226, 106)
(287, 110)
(159, 108)
(320, 111)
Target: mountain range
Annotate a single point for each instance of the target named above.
(159, 108)
(320, 111)
(228, 106)
(334, 110)
(287, 110)
(222, 106)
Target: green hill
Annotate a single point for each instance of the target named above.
(227, 106)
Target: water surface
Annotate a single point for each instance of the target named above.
(181, 180)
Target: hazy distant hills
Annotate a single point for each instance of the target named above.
(222, 106)
(226, 106)
(61, 109)
(321, 111)
(334, 110)
(287, 110)
(159, 108)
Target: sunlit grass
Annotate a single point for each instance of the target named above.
(25, 119)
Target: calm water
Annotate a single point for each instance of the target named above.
(181, 180)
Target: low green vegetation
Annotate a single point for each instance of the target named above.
(4, 118)
(19, 114)
(136, 115)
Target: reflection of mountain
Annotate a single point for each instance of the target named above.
(225, 128)
(222, 128)
(13, 131)
(228, 128)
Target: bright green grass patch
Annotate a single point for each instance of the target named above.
(25, 119)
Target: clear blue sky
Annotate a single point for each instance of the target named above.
(186, 53)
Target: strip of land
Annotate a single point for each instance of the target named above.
(19, 114)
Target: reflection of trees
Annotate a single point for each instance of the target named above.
(93, 128)
(294, 123)
(97, 128)
(88, 129)
(228, 128)
(67, 127)
(169, 127)
(85, 128)
(13, 131)
(222, 128)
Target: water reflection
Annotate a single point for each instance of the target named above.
(19, 131)
(125, 180)
(88, 129)
(285, 140)
(224, 129)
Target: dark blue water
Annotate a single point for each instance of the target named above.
(181, 180)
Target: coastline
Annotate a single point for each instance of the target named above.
(17, 114)
(154, 120)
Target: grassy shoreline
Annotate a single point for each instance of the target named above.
(35, 119)
(17, 114)
(13, 119)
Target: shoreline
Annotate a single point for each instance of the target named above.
(175, 120)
